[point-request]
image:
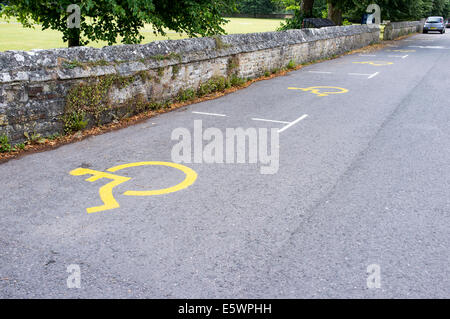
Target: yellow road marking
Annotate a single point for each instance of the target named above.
(318, 90)
(191, 177)
(106, 191)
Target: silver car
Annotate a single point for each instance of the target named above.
(434, 24)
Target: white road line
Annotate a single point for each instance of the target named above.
(273, 121)
(293, 123)
(319, 72)
(418, 40)
(211, 114)
(359, 74)
(370, 76)
(428, 47)
(398, 56)
(373, 75)
(371, 55)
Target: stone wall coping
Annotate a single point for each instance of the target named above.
(46, 65)
(404, 24)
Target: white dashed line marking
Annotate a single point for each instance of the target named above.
(370, 76)
(428, 47)
(373, 75)
(320, 72)
(293, 123)
(428, 40)
(359, 74)
(398, 56)
(272, 121)
(210, 114)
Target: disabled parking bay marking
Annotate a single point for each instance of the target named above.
(320, 90)
(106, 195)
(191, 177)
(105, 191)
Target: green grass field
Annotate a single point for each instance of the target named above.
(14, 37)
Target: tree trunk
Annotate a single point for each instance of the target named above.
(334, 13)
(74, 38)
(307, 8)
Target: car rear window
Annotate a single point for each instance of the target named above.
(435, 20)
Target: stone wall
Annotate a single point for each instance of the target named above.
(395, 30)
(39, 89)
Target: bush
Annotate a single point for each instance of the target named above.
(346, 22)
(291, 65)
(295, 22)
(34, 138)
(75, 121)
(5, 147)
(236, 81)
(186, 95)
(215, 84)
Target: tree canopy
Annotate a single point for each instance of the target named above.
(394, 10)
(258, 6)
(400, 10)
(121, 20)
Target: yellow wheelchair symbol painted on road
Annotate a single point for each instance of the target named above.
(322, 90)
(106, 191)
(375, 63)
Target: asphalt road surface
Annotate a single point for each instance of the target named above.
(359, 208)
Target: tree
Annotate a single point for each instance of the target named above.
(302, 9)
(307, 8)
(257, 6)
(335, 11)
(394, 10)
(122, 20)
(401, 10)
(439, 8)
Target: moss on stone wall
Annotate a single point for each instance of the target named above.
(90, 99)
